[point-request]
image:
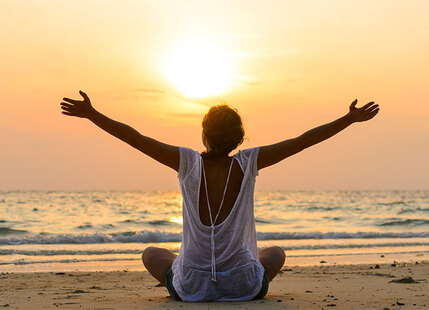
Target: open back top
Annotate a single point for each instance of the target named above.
(218, 262)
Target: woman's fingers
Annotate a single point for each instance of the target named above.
(373, 113)
(364, 113)
(68, 111)
(73, 107)
(366, 106)
(85, 96)
(68, 108)
(63, 104)
(71, 100)
(372, 108)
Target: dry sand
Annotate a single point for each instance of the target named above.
(317, 287)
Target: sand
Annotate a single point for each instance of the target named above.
(315, 287)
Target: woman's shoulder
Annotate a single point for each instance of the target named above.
(247, 159)
(247, 153)
(188, 161)
(188, 151)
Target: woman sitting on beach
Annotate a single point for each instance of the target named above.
(218, 258)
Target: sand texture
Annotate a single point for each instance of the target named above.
(316, 287)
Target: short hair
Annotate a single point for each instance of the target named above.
(223, 129)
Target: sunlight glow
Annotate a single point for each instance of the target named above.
(198, 68)
(176, 219)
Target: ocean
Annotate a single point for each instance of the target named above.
(108, 230)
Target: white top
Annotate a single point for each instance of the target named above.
(217, 262)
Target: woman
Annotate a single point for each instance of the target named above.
(218, 258)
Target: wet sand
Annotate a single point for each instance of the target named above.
(314, 287)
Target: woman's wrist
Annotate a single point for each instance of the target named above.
(92, 114)
(349, 118)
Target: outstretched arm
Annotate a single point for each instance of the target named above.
(272, 154)
(164, 153)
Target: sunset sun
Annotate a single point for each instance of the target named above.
(198, 68)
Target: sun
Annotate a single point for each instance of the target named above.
(198, 68)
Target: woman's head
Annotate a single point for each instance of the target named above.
(222, 131)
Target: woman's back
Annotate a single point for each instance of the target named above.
(220, 262)
(216, 172)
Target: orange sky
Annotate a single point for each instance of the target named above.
(294, 65)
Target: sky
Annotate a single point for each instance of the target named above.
(158, 66)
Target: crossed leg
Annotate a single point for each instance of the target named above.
(158, 260)
(272, 258)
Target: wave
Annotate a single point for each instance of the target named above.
(124, 237)
(159, 222)
(84, 226)
(64, 261)
(353, 254)
(23, 261)
(405, 222)
(403, 211)
(44, 252)
(98, 252)
(10, 231)
(257, 220)
(393, 203)
(339, 235)
(147, 236)
(322, 208)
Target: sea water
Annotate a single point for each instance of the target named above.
(109, 230)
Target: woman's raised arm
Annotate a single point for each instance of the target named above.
(164, 153)
(272, 154)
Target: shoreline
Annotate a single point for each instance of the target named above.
(293, 259)
(357, 286)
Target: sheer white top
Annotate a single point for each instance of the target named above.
(217, 262)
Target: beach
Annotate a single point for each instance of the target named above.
(361, 286)
(82, 250)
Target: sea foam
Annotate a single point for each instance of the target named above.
(147, 236)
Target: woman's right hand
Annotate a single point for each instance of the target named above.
(78, 108)
(364, 113)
